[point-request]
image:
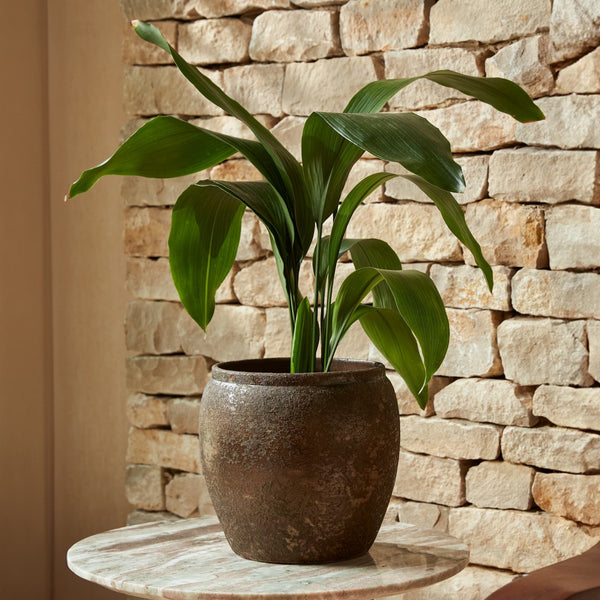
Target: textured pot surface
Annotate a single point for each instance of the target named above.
(300, 467)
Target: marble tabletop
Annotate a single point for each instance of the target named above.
(191, 560)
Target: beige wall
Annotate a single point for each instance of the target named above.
(62, 430)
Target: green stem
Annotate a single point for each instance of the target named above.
(316, 305)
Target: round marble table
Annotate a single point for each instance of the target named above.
(190, 559)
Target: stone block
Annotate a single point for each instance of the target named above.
(150, 279)
(214, 41)
(183, 414)
(232, 126)
(258, 88)
(416, 232)
(461, 20)
(552, 448)
(593, 331)
(234, 333)
(569, 407)
(297, 35)
(473, 350)
(487, 400)
(211, 9)
(572, 234)
(451, 438)
(289, 132)
(179, 375)
(363, 168)
(140, 517)
(326, 84)
(163, 448)
(473, 126)
(430, 479)
(151, 327)
(574, 27)
(524, 62)
(278, 338)
(475, 171)
(574, 497)
(517, 540)
(146, 191)
(509, 234)
(428, 516)
(165, 91)
(315, 3)
(250, 247)
(500, 484)
(148, 10)
(424, 93)
(182, 493)
(147, 231)
(407, 405)
(582, 77)
(537, 351)
(145, 411)
(384, 25)
(559, 294)
(464, 286)
(569, 123)
(144, 487)
(544, 176)
(355, 344)
(138, 52)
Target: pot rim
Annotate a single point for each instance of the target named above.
(275, 371)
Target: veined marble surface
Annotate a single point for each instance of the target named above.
(190, 559)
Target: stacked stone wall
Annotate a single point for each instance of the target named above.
(506, 456)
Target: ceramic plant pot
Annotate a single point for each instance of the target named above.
(300, 467)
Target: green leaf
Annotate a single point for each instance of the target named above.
(303, 346)
(205, 234)
(455, 220)
(405, 138)
(392, 337)
(163, 147)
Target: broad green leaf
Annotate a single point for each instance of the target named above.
(455, 220)
(303, 342)
(405, 138)
(392, 337)
(163, 147)
(205, 234)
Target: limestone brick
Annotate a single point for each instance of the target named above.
(147, 10)
(559, 294)
(139, 517)
(363, 168)
(416, 232)
(385, 25)
(500, 484)
(461, 20)
(332, 81)
(138, 52)
(185, 375)
(214, 41)
(250, 247)
(473, 350)
(509, 234)
(569, 407)
(486, 400)
(424, 93)
(569, 123)
(552, 448)
(574, 27)
(164, 90)
(355, 344)
(473, 126)
(582, 77)
(572, 234)
(517, 540)
(289, 132)
(163, 448)
(593, 331)
(222, 8)
(235, 332)
(232, 126)
(183, 414)
(257, 87)
(430, 479)
(524, 62)
(147, 231)
(146, 191)
(144, 487)
(298, 35)
(407, 405)
(536, 351)
(475, 171)
(452, 438)
(151, 327)
(278, 338)
(182, 493)
(150, 279)
(575, 497)
(145, 411)
(421, 514)
(236, 170)
(547, 176)
(464, 286)
(314, 3)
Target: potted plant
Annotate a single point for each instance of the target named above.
(300, 454)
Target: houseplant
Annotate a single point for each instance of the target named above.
(407, 320)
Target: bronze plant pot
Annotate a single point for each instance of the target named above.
(300, 467)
